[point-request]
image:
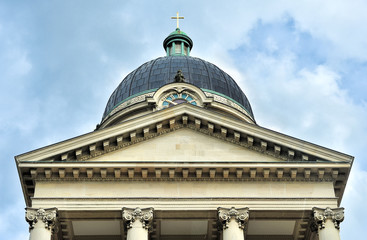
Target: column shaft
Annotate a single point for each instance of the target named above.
(39, 232)
(233, 232)
(329, 232)
(137, 231)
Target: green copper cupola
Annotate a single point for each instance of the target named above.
(178, 44)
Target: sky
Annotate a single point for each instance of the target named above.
(302, 65)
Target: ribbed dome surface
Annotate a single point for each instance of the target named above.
(158, 72)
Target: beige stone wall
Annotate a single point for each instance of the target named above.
(184, 195)
(192, 189)
(185, 145)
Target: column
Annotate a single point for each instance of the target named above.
(138, 222)
(233, 222)
(41, 222)
(326, 222)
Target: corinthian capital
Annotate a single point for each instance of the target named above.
(240, 215)
(47, 216)
(320, 215)
(145, 216)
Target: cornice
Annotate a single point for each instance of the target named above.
(184, 172)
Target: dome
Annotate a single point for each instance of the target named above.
(161, 71)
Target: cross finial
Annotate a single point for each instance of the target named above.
(177, 18)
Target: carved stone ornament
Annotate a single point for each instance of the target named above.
(145, 216)
(47, 216)
(320, 215)
(179, 77)
(225, 215)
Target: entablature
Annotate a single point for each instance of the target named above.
(208, 172)
(294, 159)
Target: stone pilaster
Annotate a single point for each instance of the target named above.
(41, 222)
(326, 222)
(233, 222)
(138, 222)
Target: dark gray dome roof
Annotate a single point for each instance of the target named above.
(158, 72)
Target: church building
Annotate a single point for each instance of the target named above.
(178, 155)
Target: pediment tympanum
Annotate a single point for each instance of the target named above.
(188, 146)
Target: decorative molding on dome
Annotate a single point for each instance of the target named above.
(130, 101)
(157, 100)
(169, 94)
(178, 87)
(227, 102)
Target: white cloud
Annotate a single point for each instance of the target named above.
(226, 24)
(339, 21)
(303, 102)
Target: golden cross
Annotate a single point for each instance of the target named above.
(177, 17)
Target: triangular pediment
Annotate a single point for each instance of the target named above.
(185, 145)
(226, 137)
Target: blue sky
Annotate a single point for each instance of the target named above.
(302, 64)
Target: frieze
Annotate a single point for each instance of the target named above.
(98, 178)
(226, 101)
(134, 100)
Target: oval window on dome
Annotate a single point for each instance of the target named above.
(178, 98)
